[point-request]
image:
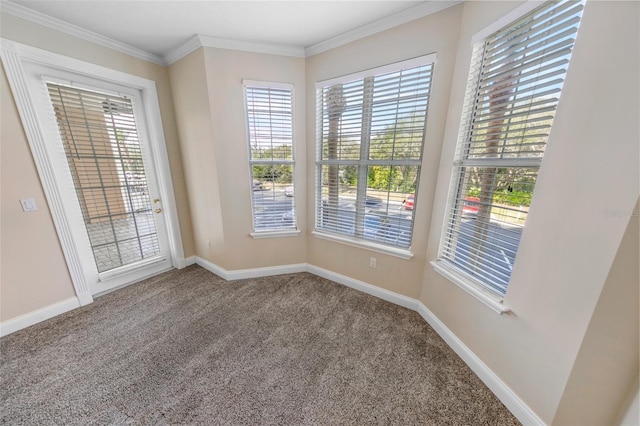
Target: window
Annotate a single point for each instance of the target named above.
(369, 151)
(269, 109)
(514, 85)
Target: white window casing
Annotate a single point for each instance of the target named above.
(370, 138)
(514, 85)
(269, 120)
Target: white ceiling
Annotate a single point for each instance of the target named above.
(160, 27)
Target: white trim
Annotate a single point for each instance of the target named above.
(12, 61)
(507, 19)
(191, 260)
(383, 69)
(198, 41)
(31, 15)
(364, 244)
(501, 390)
(491, 300)
(247, 46)
(268, 84)
(411, 14)
(240, 274)
(39, 315)
(416, 12)
(15, 57)
(212, 267)
(125, 281)
(158, 147)
(127, 269)
(183, 50)
(380, 293)
(275, 234)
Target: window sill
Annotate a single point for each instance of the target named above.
(491, 300)
(276, 234)
(355, 242)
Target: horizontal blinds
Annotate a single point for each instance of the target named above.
(518, 75)
(521, 76)
(270, 134)
(269, 119)
(395, 112)
(371, 137)
(102, 146)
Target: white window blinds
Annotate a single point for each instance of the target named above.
(514, 85)
(104, 153)
(370, 139)
(269, 108)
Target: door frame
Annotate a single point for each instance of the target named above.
(14, 58)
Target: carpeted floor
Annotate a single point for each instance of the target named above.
(187, 347)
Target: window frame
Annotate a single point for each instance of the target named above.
(444, 266)
(280, 231)
(363, 162)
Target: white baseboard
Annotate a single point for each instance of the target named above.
(187, 261)
(240, 274)
(503, 392)
(268, 271)
(26, 320)
(373, 290)
(212, 267)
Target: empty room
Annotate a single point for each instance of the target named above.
(320, 212)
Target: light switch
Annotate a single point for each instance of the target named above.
(28, 204)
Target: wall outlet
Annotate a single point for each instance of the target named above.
(373, 262)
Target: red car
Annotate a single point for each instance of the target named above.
(408, 203)
(470, 205)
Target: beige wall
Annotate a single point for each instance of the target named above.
(606, 368)
(576, 271)
(26, 239)
(570, 243)
(207, 86)
(193, 117)
(437, 33)
(30, 238)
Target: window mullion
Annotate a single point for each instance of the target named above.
(365, 141)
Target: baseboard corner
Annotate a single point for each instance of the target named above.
(381, 293)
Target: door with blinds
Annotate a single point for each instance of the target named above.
(104, 141)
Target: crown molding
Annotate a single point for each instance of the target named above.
(383, 24)
(76, 31)
(247, 46)
(191, 45)
(198, 41)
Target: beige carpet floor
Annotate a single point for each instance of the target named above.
(187, 347)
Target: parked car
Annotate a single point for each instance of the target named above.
(408, 203)
(470, 206)
(258, 186)
(370, 201)
(288, 191)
